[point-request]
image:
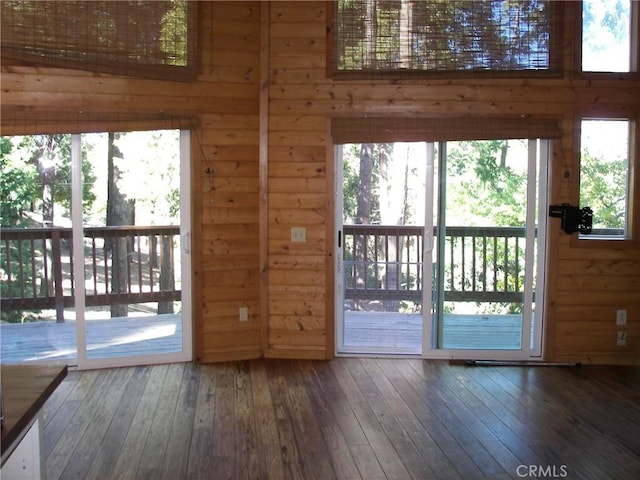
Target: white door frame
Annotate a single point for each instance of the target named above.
(339, 347)
(338, 288)
(537, 192)
(78, 257)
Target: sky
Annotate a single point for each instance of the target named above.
(606, 49)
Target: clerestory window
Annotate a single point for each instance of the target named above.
(495, 37)
(610, 36)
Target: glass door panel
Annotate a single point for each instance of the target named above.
(38, 318)
(382, 245)
(117, 205)
(487, 223)
(132, 247)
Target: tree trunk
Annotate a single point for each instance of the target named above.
(47, 287)
(363, 213)
(504, 149)
(406, 20)
(120, 211)
(389, 216)
(371, 35)
(47, 173)
(363, 217)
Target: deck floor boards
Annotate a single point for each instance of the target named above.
(348, 418)
(389, 330)
(106, 338)
(364, 331)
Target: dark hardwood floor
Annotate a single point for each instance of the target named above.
(349, 418)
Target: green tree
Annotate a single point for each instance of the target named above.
(45, 161)
(603, 187)
(138, 163)
(174, 33)
(483, 186)
(152, 159)
(486, 186)
(350, 181)
(18, 187)
(36, 175)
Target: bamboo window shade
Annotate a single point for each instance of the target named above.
(155, 39)
(426, 129)
(492, 37)
(26, 121)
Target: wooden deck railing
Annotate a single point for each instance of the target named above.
(481, 264)
(129, 264)
(381, 263)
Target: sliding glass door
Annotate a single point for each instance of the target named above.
(35, 254)
(490, 236)
(106, 281)
(382, 242)
(136, 256)
(454, 272)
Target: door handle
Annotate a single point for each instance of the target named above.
(186, 246)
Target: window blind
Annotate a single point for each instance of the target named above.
(27, 121)
(143, 38)
(491, 36)
(420, 129)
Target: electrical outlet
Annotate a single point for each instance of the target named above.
(621, 317)
(244, 314)
(621, 338)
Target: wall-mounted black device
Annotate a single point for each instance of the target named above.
(574, 219)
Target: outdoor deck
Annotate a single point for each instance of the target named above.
(383, 264)
(404, 331)
(106, 338)
(48, 340)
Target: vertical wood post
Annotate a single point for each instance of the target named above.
(56, 261)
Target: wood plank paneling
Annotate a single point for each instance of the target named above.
(230, 202)
(297, 188)
(263, 163)
(301, 93)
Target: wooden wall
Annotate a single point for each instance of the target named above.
(264, 103)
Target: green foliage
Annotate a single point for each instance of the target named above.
(27, 164)
(606, 35)
(351, 183)
(603, 187)
(483, 184)
(611, 17)
(18, 187)
(486, 186)
(150, 170)
(174, 33)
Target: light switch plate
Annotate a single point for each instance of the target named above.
(298, 234)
